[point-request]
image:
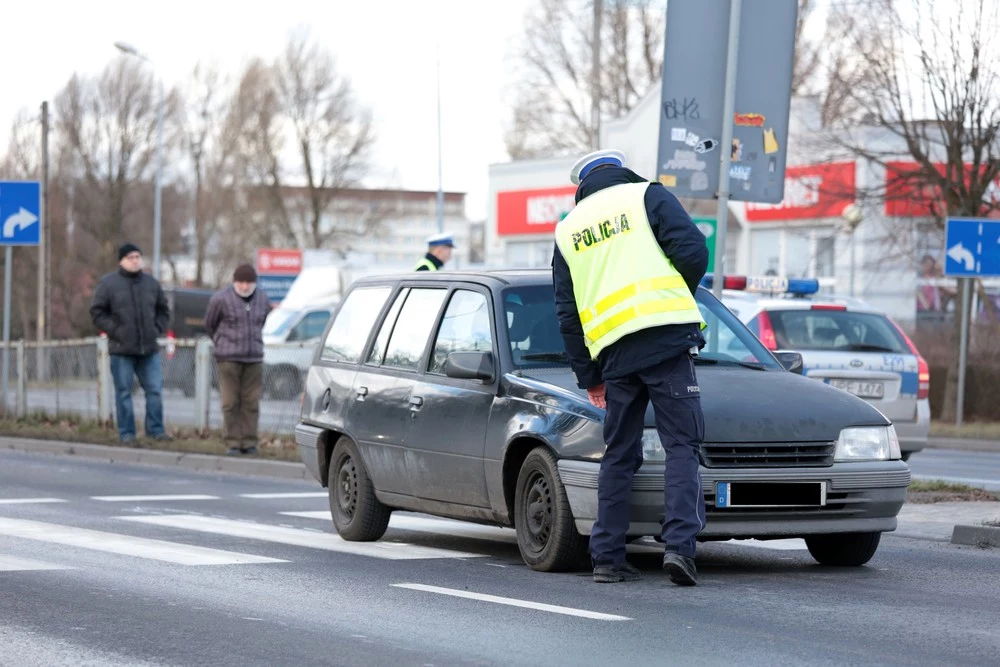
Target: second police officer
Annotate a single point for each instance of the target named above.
(627, 262)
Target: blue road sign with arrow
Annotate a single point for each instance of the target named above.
(972, 247)
(20, 209)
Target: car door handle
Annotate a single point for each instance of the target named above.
(416, 402)
(362, 392)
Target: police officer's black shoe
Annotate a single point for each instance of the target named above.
(615, 574)
(680, 568)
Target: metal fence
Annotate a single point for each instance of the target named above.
(73, 377)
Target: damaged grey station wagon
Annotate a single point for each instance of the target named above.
(450, 393)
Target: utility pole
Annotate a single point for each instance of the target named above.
(595, 75)
(43, 247)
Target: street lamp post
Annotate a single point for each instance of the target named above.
(852, 216)
(158, 196)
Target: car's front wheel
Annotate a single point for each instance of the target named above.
(848, 549)
(546, 534)
(357, 514)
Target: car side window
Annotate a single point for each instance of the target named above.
(465, 327)
(382, 340)
(353, 322)
(310, 327)
(413, 326)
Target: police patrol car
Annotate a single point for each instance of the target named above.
(843, 342)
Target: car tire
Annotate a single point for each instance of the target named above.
(357, 514)
(844, 550)
(546, 533)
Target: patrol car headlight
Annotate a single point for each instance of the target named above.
(652, 448)
(869, 443)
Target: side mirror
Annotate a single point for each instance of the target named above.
(469, 366)
(792, 361)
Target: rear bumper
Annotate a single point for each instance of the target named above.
(861, 497)
(306, 441)
(913, 435)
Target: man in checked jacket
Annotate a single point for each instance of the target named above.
(235, 321)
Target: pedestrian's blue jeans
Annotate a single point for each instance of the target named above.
(150, 374)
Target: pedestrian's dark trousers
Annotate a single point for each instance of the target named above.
(240, 385)
(672, 387)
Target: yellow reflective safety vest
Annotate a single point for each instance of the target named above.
(622, 281)
(425, 264)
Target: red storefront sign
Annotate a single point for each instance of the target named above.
(533, 211)
(909, 193)
(811, 191)
(280, 262)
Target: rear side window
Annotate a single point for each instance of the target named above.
(353, 322)
(835, 330)
(413, 327)
(382, 340)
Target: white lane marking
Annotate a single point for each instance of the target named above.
(513, 602)
(299, 537)
(126, 545)
(143, 499)
(274, 496)
(782, 545)
(29, 501)
(14, 564)
(429, 525)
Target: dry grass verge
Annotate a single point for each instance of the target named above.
(922, 491)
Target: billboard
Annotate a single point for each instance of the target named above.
(533, 211)
(811, 191)
(694, 75)
(277, 269)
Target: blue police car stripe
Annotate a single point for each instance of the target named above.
(910, 383)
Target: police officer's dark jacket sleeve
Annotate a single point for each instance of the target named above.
(587, 371)
(681, 240)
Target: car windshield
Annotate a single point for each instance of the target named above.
(835, 330)
(535, 340)
(278, 321)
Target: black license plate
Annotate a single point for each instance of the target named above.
(770, 494)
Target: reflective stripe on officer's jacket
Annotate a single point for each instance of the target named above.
(622, 281)
(425, 264)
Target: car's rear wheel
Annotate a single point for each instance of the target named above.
(357, 514)
(848, 549)
(546, 534)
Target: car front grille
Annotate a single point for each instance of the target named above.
(767, 455)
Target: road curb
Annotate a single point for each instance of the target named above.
(976, 536)
(964, 444)
(201, 462)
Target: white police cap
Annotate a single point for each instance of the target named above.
(441, 239)
(591, 160)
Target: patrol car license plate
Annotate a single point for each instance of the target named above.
(770, 494)
(860, 388)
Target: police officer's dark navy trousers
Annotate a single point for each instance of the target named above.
(673, 389)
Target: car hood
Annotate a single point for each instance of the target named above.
(740, 405)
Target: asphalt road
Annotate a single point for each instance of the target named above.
(979, 469)
(125, 564)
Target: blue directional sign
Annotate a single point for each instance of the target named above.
(20, 210)
(276, 286)
(972, 247)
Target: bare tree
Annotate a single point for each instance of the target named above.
(926, 73)
(554, 85)
(332, 133)
(107, 127)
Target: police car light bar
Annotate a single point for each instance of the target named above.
(767, 284)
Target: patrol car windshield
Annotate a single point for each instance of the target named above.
(535, 340)
(835, 330)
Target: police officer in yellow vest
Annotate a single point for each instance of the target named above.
(627, 262)
(439, 249)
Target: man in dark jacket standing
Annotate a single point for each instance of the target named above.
(627, 263)
(129, 306)
(235, 321)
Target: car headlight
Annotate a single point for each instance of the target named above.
(868, 443)
(652, 448)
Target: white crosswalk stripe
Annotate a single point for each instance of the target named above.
(143, 499)
(431, 525)
(298, 537)
(126, 545)
(282, 496)
(15, 564)
(30, 501)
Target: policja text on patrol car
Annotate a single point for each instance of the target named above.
(627, 262)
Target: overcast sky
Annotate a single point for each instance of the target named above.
(387, 47)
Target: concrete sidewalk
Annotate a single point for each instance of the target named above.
(937, 521)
